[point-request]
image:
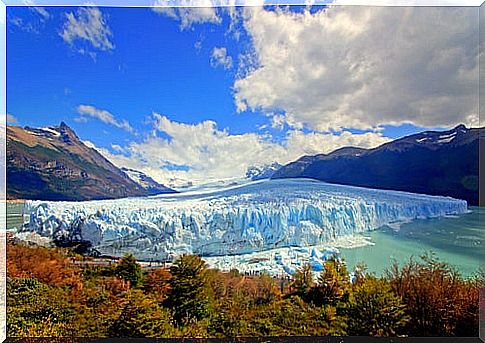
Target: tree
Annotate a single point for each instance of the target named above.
(374, 310)
(360, 272)
(333, 284)
(35, 309)
(187, 296)
(142, 317)
(292, 316)
(47, 265)
(267, 290)
(129, 270)
(156, 282)
(303, 281)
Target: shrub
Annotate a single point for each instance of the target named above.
(142, 317)
(439, 301)
(374, 310)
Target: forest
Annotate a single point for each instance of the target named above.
(50, 296)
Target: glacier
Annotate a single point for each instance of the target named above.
(255, 217)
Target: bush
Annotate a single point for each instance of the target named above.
(439, 301)
(374, 310)
(34, 308)
(142, 317)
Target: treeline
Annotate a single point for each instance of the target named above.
(48, 296)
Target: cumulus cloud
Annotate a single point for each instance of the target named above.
(361, 67)
(87, 25)
(103, 115)
(220, 57)
(189, 12)
(203, 152)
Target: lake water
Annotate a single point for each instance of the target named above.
(458, 240)
(14, 215)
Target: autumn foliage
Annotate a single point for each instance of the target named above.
(50, 266)
(47, 295)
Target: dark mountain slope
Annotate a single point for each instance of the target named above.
(431, 162)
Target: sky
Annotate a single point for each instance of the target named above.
(201, 94)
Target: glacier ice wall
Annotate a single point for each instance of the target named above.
(255, 217)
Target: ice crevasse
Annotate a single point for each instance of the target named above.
(255, 217)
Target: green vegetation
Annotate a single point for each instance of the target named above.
(128, 270)
(187, 295)
(48, 296)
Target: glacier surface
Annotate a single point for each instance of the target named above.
(255, 217)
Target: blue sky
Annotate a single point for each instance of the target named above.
(212, 91)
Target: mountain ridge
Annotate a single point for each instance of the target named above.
(148, 183)
(430, 162)
(52, 163)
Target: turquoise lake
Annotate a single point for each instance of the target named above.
(457, 240)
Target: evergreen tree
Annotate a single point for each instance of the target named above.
(129, 270)
(187, 296)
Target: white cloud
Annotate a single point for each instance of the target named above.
(41, 11)
(9, 119)
(409, 2)
(103, 115)
(360, 67)
(87, 25)
(220, 57)
(213, 154)
(189, 12)
(81, 120)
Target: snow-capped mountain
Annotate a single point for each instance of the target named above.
(262, 172)
(52, 163)
(430, 162)
(145, 181)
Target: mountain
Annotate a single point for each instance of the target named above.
(262, 172)
(430, 162)
(146, 182)
(52, 163)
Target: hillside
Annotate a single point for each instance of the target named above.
(431, 162)
(52, 163)
(150, 185)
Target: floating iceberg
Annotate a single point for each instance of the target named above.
(255, 217)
